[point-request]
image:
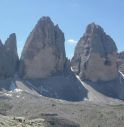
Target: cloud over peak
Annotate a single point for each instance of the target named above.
(71, 41)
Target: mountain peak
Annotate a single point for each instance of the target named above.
(93, 28)
(45, 18)
(11, 43)
(96, 52)
(44, 21)
(44, 51)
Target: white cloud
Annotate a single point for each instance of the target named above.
(71, 41)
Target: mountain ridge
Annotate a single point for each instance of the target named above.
(44, 64)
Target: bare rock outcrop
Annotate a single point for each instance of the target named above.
(95, 56)
(12, 59)
(9, 57)
(44, 53)
(2, 60)
(44, 65)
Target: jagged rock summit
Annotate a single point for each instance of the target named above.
(44, 64)
(12, 59)
(44, 52)
(9, 57)
(95, 61)
(95, 56)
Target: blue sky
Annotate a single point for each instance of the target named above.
(20, 16)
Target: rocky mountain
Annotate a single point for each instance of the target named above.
(49, 121)
(95, 55)
(44, 52)
(9, 57)
(2, 73)
(95, 61)
(44, 89)
(44, 64)
(121, 61)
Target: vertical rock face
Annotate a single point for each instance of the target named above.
(44, 52)
(2, 60)
(121, 61)
(9, 57)
(12, 59)
(95, 56)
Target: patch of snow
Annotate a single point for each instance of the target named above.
(121, 77)
(72, 69)
(86, 99)
(80, 81)
(121, 73)
(85, 86)
(93, 95)
(62, 101)
(13, 88)
(8, 94)
(18, 90)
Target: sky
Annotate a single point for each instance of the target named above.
(20, 17)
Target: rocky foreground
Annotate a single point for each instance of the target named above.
(37, 122)
(23, 106)
(21, 109)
